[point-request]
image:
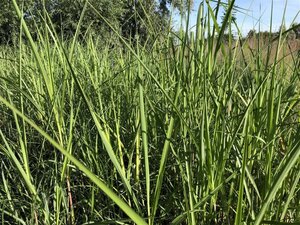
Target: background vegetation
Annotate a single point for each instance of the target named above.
(129, 17)
(108, 116)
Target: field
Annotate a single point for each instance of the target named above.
(179, 131)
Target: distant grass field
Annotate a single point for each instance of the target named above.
(181, 132)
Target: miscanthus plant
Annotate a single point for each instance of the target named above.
(184, 129)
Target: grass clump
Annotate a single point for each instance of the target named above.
(167, 134)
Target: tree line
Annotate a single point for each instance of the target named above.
(291, 33)
(129, 17)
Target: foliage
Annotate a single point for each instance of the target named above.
(9, 23)
(296, 29)
(186, 132)
(131, 17)
(65, 15)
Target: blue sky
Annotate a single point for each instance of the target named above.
(254, 11)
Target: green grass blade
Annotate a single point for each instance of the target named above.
(290, 162)
(110, 193)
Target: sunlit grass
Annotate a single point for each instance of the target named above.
(179, 132)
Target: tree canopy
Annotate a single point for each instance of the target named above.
(130, 17)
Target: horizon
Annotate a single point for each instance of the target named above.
(254, 14)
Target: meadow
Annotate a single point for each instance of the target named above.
(177, 130)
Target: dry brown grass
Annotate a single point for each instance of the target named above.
(287, 48)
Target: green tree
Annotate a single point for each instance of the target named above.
(9, 23)
(130, 17)
(296, 29)
(65, 14)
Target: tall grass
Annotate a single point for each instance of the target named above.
(179, 132)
